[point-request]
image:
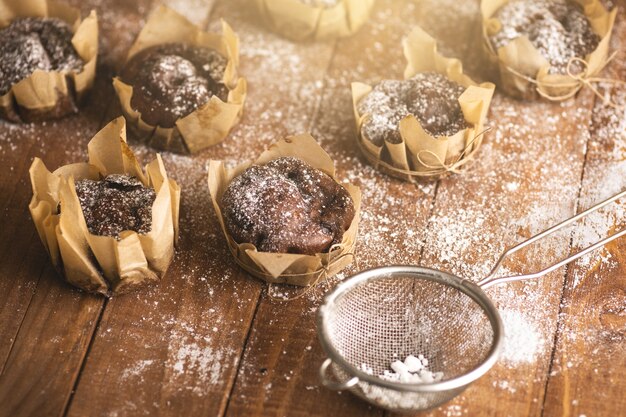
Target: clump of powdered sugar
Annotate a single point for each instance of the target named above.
(413, 370)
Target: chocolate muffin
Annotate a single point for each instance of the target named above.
(115, 204)
(558, 29)
(30, 44)
(172, 80)
(287, 206)
(431, 97)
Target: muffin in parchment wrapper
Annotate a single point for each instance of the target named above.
(210, 123)
(104, 264)
(299, 21)
(420, 154)
(287, 268)
(525, 73)
(51, 94)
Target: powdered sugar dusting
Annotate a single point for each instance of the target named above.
(193, 360)
(431, 97)
(558, 29)
(605, 177)
(194, 10)
(30, 44)
(137, 369)
(523, 342)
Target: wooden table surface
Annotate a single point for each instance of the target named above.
(208, 341)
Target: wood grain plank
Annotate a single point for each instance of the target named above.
(21, 266)
(521, 185)
(518, 188)
(175, 350)
(39, 374)
(278, 375)
(46, 326)
(24, 258)
(592, 322)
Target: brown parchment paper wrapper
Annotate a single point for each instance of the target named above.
(51, 94)
(421, 154)
(524, 72)
(286, 268)
(210, 123)
(300, 22)
(103, 264)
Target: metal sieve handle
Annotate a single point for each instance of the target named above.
(333, 385)
(491, 280)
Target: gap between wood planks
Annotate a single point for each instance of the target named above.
(559, 320)
(34, 237)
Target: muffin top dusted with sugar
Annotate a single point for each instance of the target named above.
(431, 97)
(116, 204)
(558, 29)
(171, 81)
(30, 44)
(287, 206)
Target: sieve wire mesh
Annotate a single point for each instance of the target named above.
(387, 318)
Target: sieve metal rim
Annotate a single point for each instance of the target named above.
(388, 272)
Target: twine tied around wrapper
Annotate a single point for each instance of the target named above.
(581, 79)
(322, 274)
(464, 158)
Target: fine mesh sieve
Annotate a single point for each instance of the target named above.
(388, 313)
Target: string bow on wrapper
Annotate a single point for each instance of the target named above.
(334, 264)
(525, 73)
(581, 79)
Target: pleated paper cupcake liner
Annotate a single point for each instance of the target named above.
(287, 268)
(207, 125)
(104, 264)
(51, 94)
